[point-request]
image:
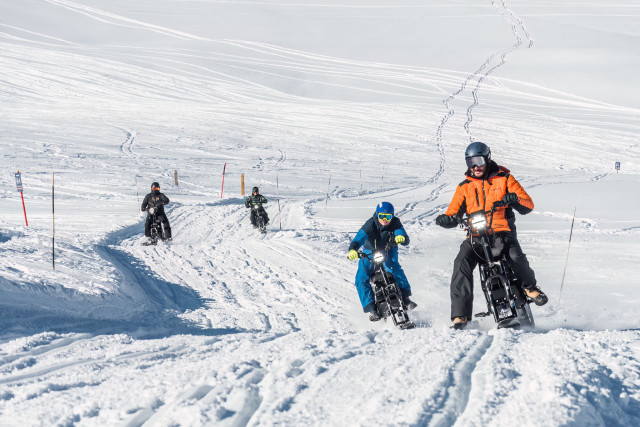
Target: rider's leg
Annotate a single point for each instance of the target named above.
(147, 227)
(265, 216)
(393, 266)
(517, 260)
(363, 286)
(167, 227)
(252, 218)
(461, 289)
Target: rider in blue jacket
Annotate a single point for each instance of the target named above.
(383, 227)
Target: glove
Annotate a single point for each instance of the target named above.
(445, 221)
(400, 239)
(510, 198)
(353, 255)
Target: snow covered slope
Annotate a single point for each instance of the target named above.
(331, 107)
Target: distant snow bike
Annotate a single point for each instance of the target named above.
(258, 209)
(387, 294)
(156, 229)
(502, 290)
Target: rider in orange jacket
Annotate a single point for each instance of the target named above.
(486, 183)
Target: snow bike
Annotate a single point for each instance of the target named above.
(502, 290)
(387, 294)
(258, 209)
(157, 228)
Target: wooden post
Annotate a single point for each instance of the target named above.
(242, 184)
(53, 222)
(175, 176)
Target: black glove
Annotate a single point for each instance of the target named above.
(446, 221)
(509, 198)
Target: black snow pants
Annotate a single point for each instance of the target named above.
(467, 260)
(165, 222)
(253, 218)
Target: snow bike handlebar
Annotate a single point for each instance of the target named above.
(464, 222)
(391, 243)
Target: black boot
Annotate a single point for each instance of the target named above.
(409, 304)
(536, 295)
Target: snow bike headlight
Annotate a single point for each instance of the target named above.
(478, 221)
(378, 257)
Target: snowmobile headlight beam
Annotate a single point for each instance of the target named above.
(378, 257)
(478, 221)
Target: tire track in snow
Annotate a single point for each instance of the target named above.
(516, 25)
(456, 396)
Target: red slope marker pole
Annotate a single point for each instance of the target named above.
(19, 188)
(223, 171)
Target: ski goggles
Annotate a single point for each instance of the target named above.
(475, 161)
(155, 188)
(385, 216)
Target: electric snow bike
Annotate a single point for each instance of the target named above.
(258, 212)
(387, 295)
(156, 229)
(506, 300)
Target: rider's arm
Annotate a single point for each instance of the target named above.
(263, 199)
(457, 202)
(401, 232)
(525, 204)
(359, 240)
(164, 199)
(145, 202)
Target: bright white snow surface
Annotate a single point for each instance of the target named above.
(333, 106)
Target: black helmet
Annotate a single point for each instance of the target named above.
(155, 185)
(255, 190)
(477, 154)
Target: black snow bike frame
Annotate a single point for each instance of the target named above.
(259, 217)
(156, 229)
(387, 294)
(506, 300)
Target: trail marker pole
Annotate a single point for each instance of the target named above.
(242, 184)
(224, 169)
(278, 196)
(53, 222)
(175, 177)
(567, 259)
(137, 194)
(326, 204)
(19, 187)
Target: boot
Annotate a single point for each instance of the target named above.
(374, 316)
(536, 295)
(459, 322)
(409, 304)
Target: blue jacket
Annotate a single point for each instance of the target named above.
(373, 235)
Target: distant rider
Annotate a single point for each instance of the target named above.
(383, 227)
(156, 200)
(256, 200)
(485, 184)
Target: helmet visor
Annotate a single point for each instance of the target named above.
(476, 161)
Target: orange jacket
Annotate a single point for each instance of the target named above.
(475, 194)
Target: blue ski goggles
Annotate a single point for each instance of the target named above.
(385, 216)
(476, 161)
